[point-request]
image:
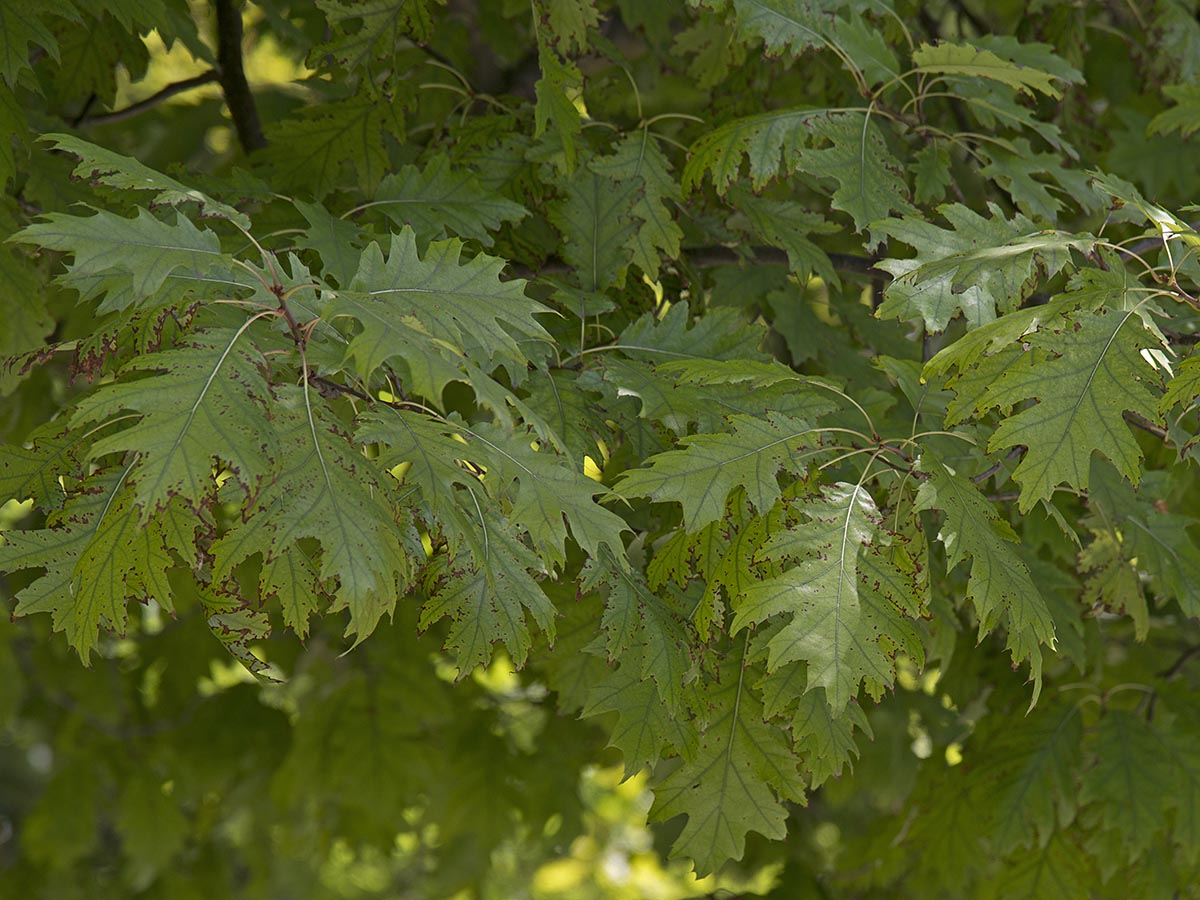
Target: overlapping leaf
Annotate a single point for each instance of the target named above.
(1028, 775)
(870, 181)
(102, 166)
(1000, 582)
(1127, 779)
(771, 142)
(742, 771)
(1097, 374)
(487, 596)
(381, 26)
(311, 151)
(436, 200)
(832, 624)
(418, 307)
(208, 401)
(21, 26)
(972, 62)
(979, 266)
(596, 219)
(638, 160)
(139, 253)
(326, 490)
(641, 629)
(96, 556)
(701, 475)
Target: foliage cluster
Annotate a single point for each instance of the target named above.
(800, 395)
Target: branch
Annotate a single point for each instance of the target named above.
(175, 87)
(1176, 667)
(707, 257)
(989, 472)
(1146, 425)
(981, 27)
(238, 97)
(710, 257)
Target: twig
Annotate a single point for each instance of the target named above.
(133, 109)
(238, 97)
(324, 385)
(83, 110)
(1176, 337)
(1170, 672)
(710, 257)
(1176, 667)
(992, 470)
(1146, 425)
(1150, 243)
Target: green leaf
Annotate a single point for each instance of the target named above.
(293, 579)
(382, 26)
(1028, 775)
(421, 307)
(981, 267)
(96, 557)
(139, 254)
(336, 241)
(719, 334)
(1057, 870)
(1168, 554)
(641, 630)
(21, 26)
(825, 740)
(308, 153)
(560, 82)
(210, 400)
(26, 319)
(486, 599)
(761, 139)
(1184, 117)
(831, 626)
(644, 723)
(596, 219)
(12, 122)
(568, 21)
(1112, 582)
(701, 476)
(34, 472)
(638, 160)
(1184, 388)
(432, 450)
(438, 200)
(972, 62)
(865, 45)
(787, 225)
(1097, 373)
(1014, 172)
(782, 25)
(1000, 583)
(742, 771)
(326, 490)
(101, 166)
(869, 177)
(550, 491)
(1127, 780)
(931, 173)
(711, 49)
(999, 334)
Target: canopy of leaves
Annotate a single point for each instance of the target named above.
(597, 448)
